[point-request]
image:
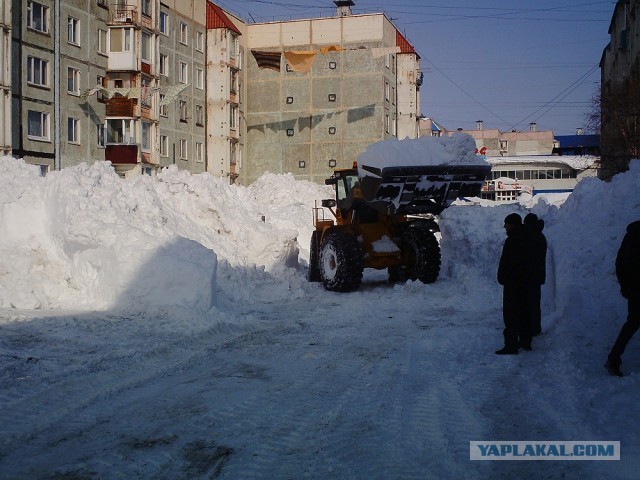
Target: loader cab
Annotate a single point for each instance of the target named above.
(346, 183)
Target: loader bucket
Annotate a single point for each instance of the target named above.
(421, 189)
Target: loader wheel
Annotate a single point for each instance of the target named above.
(423, 255)
(340, 262)
(314, 268)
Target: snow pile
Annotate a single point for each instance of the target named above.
(82, 238)
(458, 149)
(583, 236)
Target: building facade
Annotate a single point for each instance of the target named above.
(5, 78)
(55, 54)
(494, 143)
(226, 126)
(326, 89)
(620, 90)
(146, 84)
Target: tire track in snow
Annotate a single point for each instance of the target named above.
(66, 402)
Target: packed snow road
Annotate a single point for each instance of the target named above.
(363, 385)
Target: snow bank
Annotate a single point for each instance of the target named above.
(83, 238)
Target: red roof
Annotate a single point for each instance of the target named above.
(405, 46)
(216, 18)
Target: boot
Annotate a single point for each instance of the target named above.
(613, 367)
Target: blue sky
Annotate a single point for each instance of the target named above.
(508, 63)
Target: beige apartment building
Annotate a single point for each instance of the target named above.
(330, 87)
(494, 143)
(146, 84)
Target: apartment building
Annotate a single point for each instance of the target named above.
(494, 143)
(56, 54)
(146, 84)
(182, 95)
(620, 90)
(5, 78)
(319, 91)
(225, 77)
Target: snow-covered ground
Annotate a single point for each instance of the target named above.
(163, 328)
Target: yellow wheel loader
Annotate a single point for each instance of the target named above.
(386, 218)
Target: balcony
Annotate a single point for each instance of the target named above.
(122, 61)
(123, 15)
(121, 107)
(118, 153)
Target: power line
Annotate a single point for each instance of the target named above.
(562, 96)
(465, 92)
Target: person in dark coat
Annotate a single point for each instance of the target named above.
(628, 273)
(514, 276)
(539, 270)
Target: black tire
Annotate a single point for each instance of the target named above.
(314, 269)
(340, 262)
(422, 254)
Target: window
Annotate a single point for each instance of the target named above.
(146, 47)
(102, 3)
(200, 78)
(163, 106)
(199, 115)
(184, 72)
(73, 81)
(146, 93)
(146, 136)
(121, 130)
(164, 23)
(332, 97)
(332, 130)
(234, 153)
(146, 7)
(184, 32)
(100, 134)
(73, 31)
(234, 117)
(233, 45)
(38, 125)
(200, 41)
(37, 71)
(235, 84)
(73, 130)
(183, 149)
(290, 132)
(120, 40)
(332, 65)
(164, 146)
(387, 91)
(37, 17)
(164, 64)
(387, 124)
(199, 151)
(183, 110)
(102, 41)
(100, 96)
(289, 100)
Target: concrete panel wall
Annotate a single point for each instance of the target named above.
(5, 78)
